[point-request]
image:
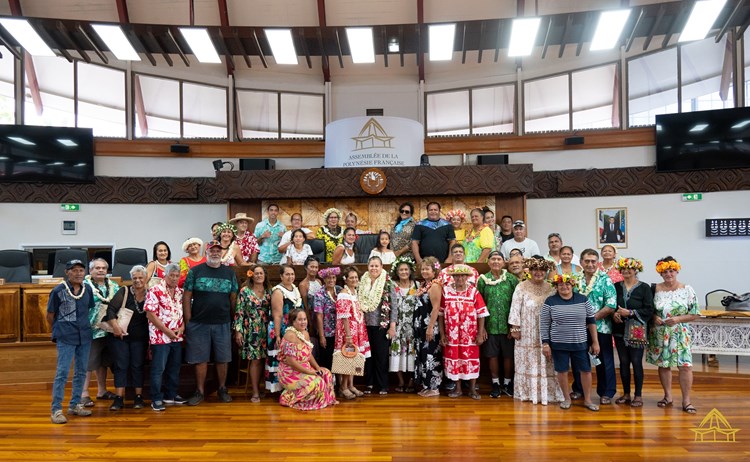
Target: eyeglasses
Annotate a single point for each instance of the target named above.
(405, 211)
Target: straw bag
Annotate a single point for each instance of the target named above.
(123, 317)
(348, 361)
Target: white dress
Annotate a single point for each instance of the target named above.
(298, 256)
(387, 257)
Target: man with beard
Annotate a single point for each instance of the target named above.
(208, 303)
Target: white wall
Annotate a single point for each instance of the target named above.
(659, 225)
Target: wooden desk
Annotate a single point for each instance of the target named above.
(34, 308)
(10, 309)
(721, 332)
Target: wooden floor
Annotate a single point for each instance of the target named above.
(396, 427)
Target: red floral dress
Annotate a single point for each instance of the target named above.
(461, 311)
(347, 307)
(248, 245)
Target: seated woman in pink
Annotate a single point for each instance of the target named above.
(307, 386)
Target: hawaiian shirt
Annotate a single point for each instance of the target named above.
(323, 303)
(166, 308)
(102, 295)
(269, 248)
(601, 293)
(248, 245)
(497, 294)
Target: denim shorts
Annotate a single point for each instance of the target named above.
(563, 358)
(203, 338)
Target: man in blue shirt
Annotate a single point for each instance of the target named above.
(268, 233)
(68, 314)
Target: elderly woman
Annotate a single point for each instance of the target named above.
(563, 322)
(609, 263)
(350, 327)
(403, 304)
(374, 294)
(566, 265)
(534, 379)
(193, 248)
(166, 327)
(250, 325)
(428, 362)
(345, 254)
(284, 298)
(245, 240)
(307, 386)
(129, 347)
(462, 331)
(675, 305)
(331, 232)
(323, 303)
(402, 230)
(480, 240)
(635, 304)
(161, 257)
(230, 251)
(456, 217)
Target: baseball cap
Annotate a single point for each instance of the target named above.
(213, 243)
(519, 223)
(72, 263)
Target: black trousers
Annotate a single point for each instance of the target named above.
(630, 357)
(376, 366)
(325, 355)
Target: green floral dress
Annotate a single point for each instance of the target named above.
(670, 346)
(251, 320)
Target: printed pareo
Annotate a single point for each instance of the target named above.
(303, 391)
(250, 319)
(461, 311)
(670, 346)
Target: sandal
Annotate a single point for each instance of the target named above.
(255, 399)
(474, 395)
(368, 390)
(637, 402)
(409, 390)
(87, 401)
(574, 395)
(455, 394)
(624, 399)
(565, 405)
(348, 394)
(605, 400)
(591, 407)
(399, 389)
(689, 408)
(383, 392)
(664, 403)
(357, 393)
(108, 395)
(429, 393)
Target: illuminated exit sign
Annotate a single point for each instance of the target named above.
(70, 207)
(691, 197)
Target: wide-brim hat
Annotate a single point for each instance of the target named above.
(458, 270)
(241, 216)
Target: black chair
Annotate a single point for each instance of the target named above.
(318, 247)
(105, 255)
(15, 265)
(63, 256)
(364, 245)
(127, 258)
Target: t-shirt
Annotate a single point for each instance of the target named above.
(210, 289)
(287, 237)
(71, 325)
(564, 323)
(434, 238)
(527, 247)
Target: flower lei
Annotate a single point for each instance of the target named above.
(663, 266)
(569, 278)
(109, 291)
(70, 292)
(292, 295)
(299, 335)
(585, 290)
(494, 282)
(630, 263)
(369, 294)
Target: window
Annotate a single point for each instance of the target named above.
(594, 93)
(652, 87)
(258, 114)
(204, 111)
(101, 100)
(54, 105)
(547, 104)
(701, 75)
(161, 103)
(301, 116)
(492, 109)
(7, 87)
(448, 113)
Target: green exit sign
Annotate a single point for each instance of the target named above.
(70, 207)
(690, 197)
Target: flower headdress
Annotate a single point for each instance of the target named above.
(539, 263)
(562, 278)
(663, 266)
(455, 213)
(325, 272)
(630, 263)
(402, 259)
(224, 226)
(330, 211)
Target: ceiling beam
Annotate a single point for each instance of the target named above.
(177, 45)
(401, 44)
(261, 55)
(71, 43)
(96, 49)
(546, 36)
(322, 23)
(420, 40)
(305, 50)
(481, 42)
(241, 44)
(724, 28)
(463, 45)
(659, 16)
(122, 11)
(338, 48)
(631, 36)
(564, 40)
(497, 39)
(384, 39)
(224, 18)
(160, 47)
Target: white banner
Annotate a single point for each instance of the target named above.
(374, 142)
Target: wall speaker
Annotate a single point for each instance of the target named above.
(492, 160)
(257, 164)
(573, 140)
(180, 148)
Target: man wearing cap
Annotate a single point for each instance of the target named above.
(268, 233)
(527, 246)
(286, 239)
(245, 240)
(67, 313)
(208, 301)
(458, 256)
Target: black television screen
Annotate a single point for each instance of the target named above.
(703, 140)
(46, 154)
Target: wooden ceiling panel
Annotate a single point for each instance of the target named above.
(452, 10)
(273, 13)
(91, 10)
(361, 13)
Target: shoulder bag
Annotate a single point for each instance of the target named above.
(123, 317)
(348, 361)
(636, 332)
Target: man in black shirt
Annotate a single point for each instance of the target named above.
(433, 236)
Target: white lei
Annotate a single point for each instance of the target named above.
(110, 289)
(70, 292)
(300, 335)
(370, 295)
(494, 282)
(586, 289)
(328, 232)
(292, 295)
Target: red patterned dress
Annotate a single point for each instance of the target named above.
(347, 307)
(248, 246)
(461, 312)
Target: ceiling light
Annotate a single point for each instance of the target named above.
(21, 140)
(522, 36)
(82, 164)
(701, 19)
(282, 45)
(742, 124)
(24, 34)
(699, 127)
(67, 142)
(113, 36)
(361, 46)
(200, 44)
(609, 29)
(441, 41)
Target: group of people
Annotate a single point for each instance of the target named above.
(429, 319)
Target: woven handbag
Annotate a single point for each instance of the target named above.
(348, 361)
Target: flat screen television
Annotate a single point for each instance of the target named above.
(46, 154)
(703, 140)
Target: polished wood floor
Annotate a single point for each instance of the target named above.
(396, 427)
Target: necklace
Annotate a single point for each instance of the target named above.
(371, 292)
(338, 236)
(299, 335)
(590, 286)
(494, 282)
(139, 306)
(105, 296)
(74, 297)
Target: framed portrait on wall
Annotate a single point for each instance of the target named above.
(612, 227)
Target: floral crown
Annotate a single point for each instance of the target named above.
(539, 263)
(663, 266)
(224, 226)
(399, 261)
(330, 211)
(564, 278)
(325, 272)
(630, 263)
(455, 213)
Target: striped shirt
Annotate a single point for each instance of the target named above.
(565, 321)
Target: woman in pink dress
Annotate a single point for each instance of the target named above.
(350, 327)
(462, 314)
(307, 386)
(609, 263)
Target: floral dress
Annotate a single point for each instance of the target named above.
(292, 300)
(305, 392)
(248, 245)
(461, 311)
(403, 346)
(347, 307)
(330, 239)
(670, 346)
(401, 237)
(428, 362)
(250, 319)
(535, 379)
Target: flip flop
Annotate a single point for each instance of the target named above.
(605, 400)
(357, 393)
(591, 407)
(637, 402)
(664, 403)
(348, 394)
(565, 405)
(689, 408)
(255, 399)
(87, 401)
(430, 393)
(474, 395)
(455, 394)
(624, 399)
